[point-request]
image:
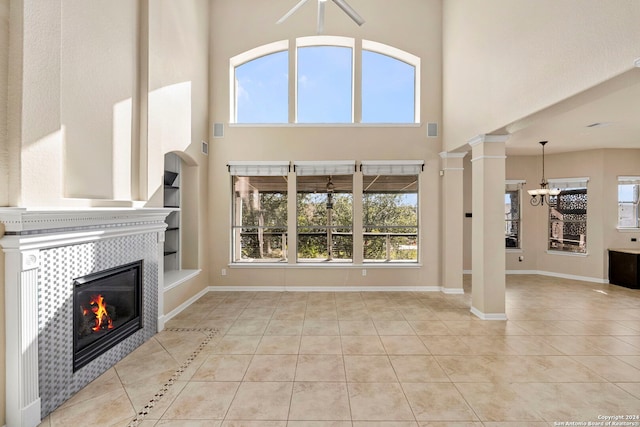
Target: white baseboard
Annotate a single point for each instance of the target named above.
(452, 291)
(324, 288)
(573, 277)
(552, 274)
(173, 313)
(488, 316)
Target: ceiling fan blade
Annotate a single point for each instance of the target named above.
(342, 4)
(321, 5)
(292, 11)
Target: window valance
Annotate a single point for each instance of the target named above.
(337, 167)
(514, 184)
(563, 183)
(391, 167)
(258, 168)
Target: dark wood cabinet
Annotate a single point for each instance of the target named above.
(624, 267)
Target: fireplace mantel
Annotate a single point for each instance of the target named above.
(25, 236)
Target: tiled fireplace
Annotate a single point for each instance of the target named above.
(81, 292)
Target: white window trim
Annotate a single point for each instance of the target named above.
(627, 180)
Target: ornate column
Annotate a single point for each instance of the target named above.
(21, 314)
(452, 221)
(488, 248)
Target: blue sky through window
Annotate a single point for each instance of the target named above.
(388, 88)
(263, 89)
(324, 84)
(324, 87)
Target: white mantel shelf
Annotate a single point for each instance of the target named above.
(22, 221)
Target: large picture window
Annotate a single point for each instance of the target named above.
(628, 196)
(568, 217)
(259, 223)
(324, 207)
(390, 211)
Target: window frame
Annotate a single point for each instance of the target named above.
(515, 186)
(391, 168)
(243, 58)
(567, 187)
(630, 180)
(356, 77)
(324, 169)
(241, 169)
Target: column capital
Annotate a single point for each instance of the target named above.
(482, 138)
(446, 155)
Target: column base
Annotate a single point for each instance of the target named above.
(488, 316)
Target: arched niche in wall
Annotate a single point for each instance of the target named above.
(181, 189)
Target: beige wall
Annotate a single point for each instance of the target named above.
(496, 51)
(75, 132)
(602, 167)
(4, 78)
(420, 19)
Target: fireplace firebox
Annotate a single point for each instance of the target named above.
(107, 308)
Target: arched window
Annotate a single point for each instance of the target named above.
(324, 80)
(326, 83)
(260, 85)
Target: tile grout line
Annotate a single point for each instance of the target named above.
(210, 334)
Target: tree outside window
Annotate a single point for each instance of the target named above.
(325, 218)
(259, 218)
(390, 218)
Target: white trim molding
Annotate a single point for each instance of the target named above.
(488, 316)
(487, 157)
(479, 139)
(447, 155)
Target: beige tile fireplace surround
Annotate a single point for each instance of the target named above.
(44, 251)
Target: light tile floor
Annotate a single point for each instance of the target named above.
(570, 351)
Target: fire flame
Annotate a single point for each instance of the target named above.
(99, 309)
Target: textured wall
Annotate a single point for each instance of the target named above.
(59, 267)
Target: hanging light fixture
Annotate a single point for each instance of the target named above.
(543, 190)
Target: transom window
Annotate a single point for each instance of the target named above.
(326, 82)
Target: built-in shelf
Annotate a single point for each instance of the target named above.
(172, 199)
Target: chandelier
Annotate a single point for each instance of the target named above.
(543, 190)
